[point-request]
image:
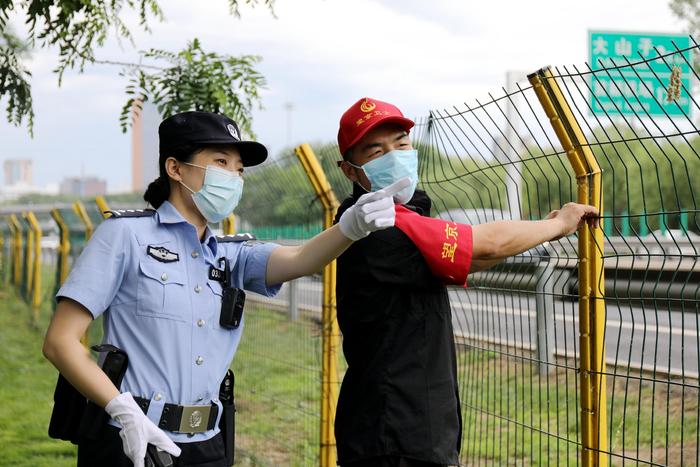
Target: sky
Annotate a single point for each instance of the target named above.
(320, 56)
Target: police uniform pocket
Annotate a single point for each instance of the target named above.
(215, 287)
(216, 293)
(161, 291)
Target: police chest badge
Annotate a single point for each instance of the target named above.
(162, 254)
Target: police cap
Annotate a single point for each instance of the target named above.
(206, 128)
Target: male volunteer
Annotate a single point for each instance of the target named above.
(399, 402)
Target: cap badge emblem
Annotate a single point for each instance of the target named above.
(232, 130)
(367, 106)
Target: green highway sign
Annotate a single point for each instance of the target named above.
(642, 88)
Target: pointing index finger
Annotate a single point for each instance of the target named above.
(395, 187)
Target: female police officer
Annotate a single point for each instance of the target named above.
(150, 275)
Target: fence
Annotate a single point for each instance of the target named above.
(486, 162)
(582, 351)
(532, 393)
(306, 369)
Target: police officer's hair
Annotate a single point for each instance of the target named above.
(158, 190)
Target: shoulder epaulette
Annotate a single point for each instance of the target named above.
(240, 237)
(118, 213)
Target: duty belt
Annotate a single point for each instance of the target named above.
(184, 418)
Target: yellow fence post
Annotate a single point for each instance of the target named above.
(28, 259)
(79, 209)
(329, 376)
(35, 297)
(10, 279)
(3, 259)
(63, 245)
(594, 437)
(102, 205)
(17, 251)
(228, 225)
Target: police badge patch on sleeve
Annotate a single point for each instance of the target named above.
(162, 254)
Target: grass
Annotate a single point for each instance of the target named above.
(512, 415)
(26, 392)
(515, 416)
(277, 381)
(277, 394)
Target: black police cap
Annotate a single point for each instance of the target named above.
(205, 128)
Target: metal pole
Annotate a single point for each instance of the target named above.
(289, 108)
(544, 305)
(102, 205)
(229, 225)
(79, 209)
(3, 258)
(330, 332)
(10, 279)
(17, 253)
(63, 247)
(293, 299)
(28, 273)
(36, 270)
(513, 165)
(594, 436)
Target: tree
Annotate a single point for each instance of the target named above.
(689, 11)
(197, 80)
(14, 79)
(77, 28)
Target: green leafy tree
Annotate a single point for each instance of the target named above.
(689, 11)
(14, 79)
(197, 80)
(77, 28)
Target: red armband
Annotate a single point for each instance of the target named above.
(445, 245)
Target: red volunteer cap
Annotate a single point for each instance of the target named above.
(364, 115)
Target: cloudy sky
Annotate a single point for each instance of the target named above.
(320, 56)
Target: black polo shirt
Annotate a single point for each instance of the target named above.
(399, 396)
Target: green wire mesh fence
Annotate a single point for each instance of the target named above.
(517, 324)
(651, 166)
(492, 161)
(278, 365)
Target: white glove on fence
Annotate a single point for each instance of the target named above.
(372, 211)
(137, 430)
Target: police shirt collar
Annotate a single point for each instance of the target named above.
(168, 214)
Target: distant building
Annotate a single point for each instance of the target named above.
(144, 146)
(83, 186)
(18, 171)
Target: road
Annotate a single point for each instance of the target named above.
(660, 341)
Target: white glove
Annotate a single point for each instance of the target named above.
(372, 211)
(137, 430)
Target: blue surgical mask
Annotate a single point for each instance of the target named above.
(219, 194)
(392, 166)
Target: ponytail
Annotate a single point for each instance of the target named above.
(157, 192)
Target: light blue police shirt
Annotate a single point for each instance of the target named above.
(150, 278)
